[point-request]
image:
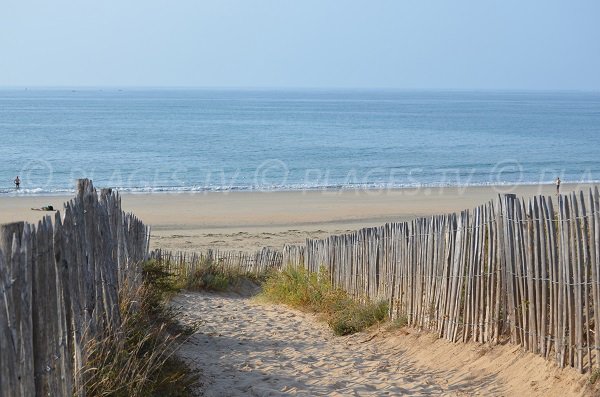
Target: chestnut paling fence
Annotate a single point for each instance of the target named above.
(59, 286)
(185, 264)
(527, 272)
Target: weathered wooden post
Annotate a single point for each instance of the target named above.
(7, 232)
(15, 286)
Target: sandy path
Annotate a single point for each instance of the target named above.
(246, 348)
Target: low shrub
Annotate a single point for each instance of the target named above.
(355, 317)
(161, 285)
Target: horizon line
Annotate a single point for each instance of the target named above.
(285, 88)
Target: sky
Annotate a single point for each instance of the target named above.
(395, 44)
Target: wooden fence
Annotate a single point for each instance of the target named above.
(59, 284)
(510, 270)
(184, 263)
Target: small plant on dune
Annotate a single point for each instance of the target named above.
(207, 279)
(162, 283)
(137, 358)
(595, 376)
(314, 292)
(211, 276)
(399, 322)
(354, 317)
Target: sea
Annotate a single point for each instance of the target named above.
(203, 140)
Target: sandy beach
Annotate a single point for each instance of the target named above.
(244, 347)
(250, 220)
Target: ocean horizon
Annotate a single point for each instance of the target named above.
(197, 140)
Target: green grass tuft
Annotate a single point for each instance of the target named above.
(356, 317)
(314, 292)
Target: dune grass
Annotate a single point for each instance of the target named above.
(212, 276)
(137, 358)
(298, 288)
(594, 376)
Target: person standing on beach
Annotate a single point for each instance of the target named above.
(17, 182)
(557, 185)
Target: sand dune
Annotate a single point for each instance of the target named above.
(247, 348)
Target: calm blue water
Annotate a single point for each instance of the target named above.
(203, 140)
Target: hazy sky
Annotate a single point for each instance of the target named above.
(447, 44)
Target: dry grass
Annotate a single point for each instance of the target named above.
(137, 358)
(595, 375)
(212, 276)
(399, 322)
(314, 292)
